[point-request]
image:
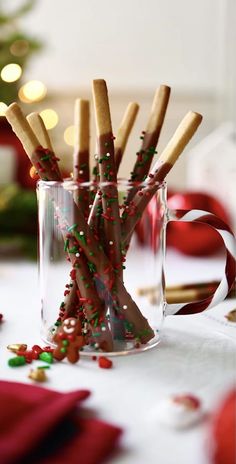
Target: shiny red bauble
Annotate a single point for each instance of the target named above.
(191, 239)
(195, 239)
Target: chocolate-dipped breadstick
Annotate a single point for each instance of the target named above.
(150, 137)
(107, 170)
(169, 156)
(98, 263)
(44, 161)
(71, 302)
(38, 127)
(124, 132)
(81, 153)
(119, 147)
(109, 193)
(81, 145)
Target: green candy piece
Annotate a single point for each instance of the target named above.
(46, 357)
(65, 343)
(63, 350)
(17, 361)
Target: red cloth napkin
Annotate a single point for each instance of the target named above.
(42, 426)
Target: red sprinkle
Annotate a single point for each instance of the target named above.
(104, 363)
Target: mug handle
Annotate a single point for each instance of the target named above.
(228, 278)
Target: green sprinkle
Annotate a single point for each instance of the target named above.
(74, 249)
(43, 367)
(65, 343)
(87, 286)
(17, 361)
(91, 253)
(66, 244)
(45, 158)
(73, 227)
(63, 350)
(46, 357)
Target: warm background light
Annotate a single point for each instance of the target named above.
(19, 48)
(3, 108)
(69, 135)
(50, 118)
(32, 91)
(11, 72)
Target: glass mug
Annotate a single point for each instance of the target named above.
(97, 273)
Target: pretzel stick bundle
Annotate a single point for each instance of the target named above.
(97, 262)
(168, 158)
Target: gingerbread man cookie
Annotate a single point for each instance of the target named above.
(69, 340)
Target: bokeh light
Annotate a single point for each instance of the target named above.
(69, 135)
(3, 108)
(11, 72)
(32, 91)
(19, 47)
(50, 118)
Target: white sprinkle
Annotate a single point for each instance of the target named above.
(103, 328)
(81, 232)
(81, 171)
(96, 157)
(96, 346)
(111, 242)
(125, 306)
(85, 331)
(77, 255)
(108, 155)
(90, 206)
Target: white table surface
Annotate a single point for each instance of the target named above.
(197, 355)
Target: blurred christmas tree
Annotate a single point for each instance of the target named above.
(16, 48)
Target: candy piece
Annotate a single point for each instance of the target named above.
(46, 357)
(17, 347)
(179, 411)
(37, 349)
(17, 361)
(104, 363)
(69, 340)
(48, 349)
(231, 316)
(38, 375)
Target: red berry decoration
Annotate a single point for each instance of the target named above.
(104, 363)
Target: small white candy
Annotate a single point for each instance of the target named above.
(81, 171)
(108, 155)
(125, 306)
(96, 157)
(90, 206)
(103, 328)
(77, 255)
(111, 242)
(81, 232)
(96, 346)
(177, 414)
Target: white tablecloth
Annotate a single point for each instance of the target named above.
(197, 355)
